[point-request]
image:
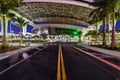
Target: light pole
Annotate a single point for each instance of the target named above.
(10, 33)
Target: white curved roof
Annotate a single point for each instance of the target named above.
(58, 11)
(64, 1)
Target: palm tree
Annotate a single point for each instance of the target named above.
(10, 17)
(99, 14)
(20, 22)
(95, 22)
(5, 7)
(108, 30)
(113, 7)
(110, 7)
(80, 34)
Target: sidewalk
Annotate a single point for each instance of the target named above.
(9, 53)
(105, 51)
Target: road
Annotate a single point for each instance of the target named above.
(41, 66)
(59, 63)
(81, 67)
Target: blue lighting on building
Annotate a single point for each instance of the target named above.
(84, 26)
(117, 26)
(15, 29)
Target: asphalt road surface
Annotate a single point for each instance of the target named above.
(59, 63)
(81, 67)
(41, 66)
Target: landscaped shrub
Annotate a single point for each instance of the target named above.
(118, 45)
(32, 41)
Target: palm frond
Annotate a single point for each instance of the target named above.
(20, 22)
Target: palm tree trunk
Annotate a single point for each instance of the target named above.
(113, 32)
(79, 38)
(104, 32)
(108, 22)
(96, 35)
(21, 36)
(4, 45)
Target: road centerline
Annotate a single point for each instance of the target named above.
(61, 74)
